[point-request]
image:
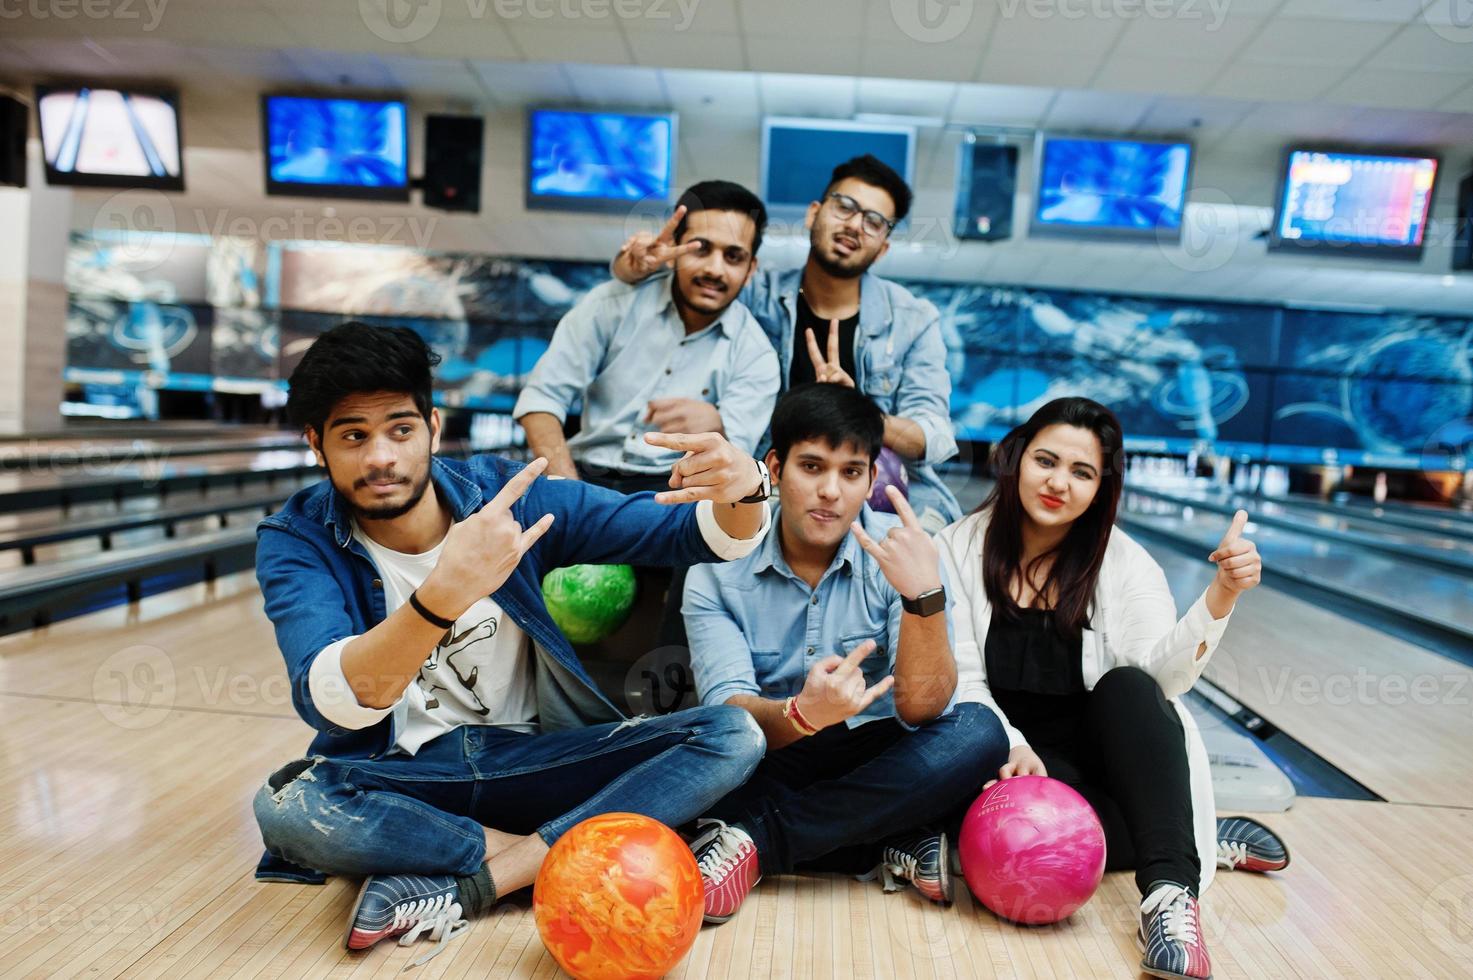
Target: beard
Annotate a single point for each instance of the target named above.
(386, 512)
(856, 266)
(684, 302)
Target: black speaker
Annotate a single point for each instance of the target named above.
(1463, 241)
(453, 162)
(986, 177)
(13, 122)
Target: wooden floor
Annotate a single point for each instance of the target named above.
(133, 741)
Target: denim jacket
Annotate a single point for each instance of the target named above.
(900, 361)
(320, 585)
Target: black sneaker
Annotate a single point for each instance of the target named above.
(406, 907)
(923, 859)
(1244, 844)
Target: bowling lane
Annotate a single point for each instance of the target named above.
(1401, 588)
(1349, 526)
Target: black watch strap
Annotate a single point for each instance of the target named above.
(764, 486)
(428, 616)
(927, 603)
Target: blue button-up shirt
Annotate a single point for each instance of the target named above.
(623, 346)
(755, 627)
(900, 362)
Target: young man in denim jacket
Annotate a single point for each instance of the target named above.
(458, 735)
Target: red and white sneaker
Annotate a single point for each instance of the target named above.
(1171, 935)
(728, 861)
(1244, 844)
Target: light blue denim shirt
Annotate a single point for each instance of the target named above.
(755, 627)
(900, 362)
(623, 346)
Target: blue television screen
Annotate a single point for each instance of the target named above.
(598, 161)
(335, 147)
(799, 155)
(1354, 203)
(1111, 188)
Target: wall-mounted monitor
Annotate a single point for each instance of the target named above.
(799, 156)
(1354, 203)
(108, 137)
(596, 160)
(1108, 188)
(333, 146)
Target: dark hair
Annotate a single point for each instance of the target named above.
(723, 195)
(877, 173)
(354, 358)
(1078, 558)
(837, 414)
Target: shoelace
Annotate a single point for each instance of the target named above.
(1230, 854)
(896, 864)
(1178, 915)
(721, 857)
(440, 916)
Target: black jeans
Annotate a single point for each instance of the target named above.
(825, 802)
(1128, 758)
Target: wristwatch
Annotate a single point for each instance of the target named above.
(928, 603)
(764, 488)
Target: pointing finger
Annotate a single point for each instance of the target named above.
(532, 534)
(517, 485)
(902, 508)
(877, 692)
(866, 542)
(856, 656)
(834, 342)
(667, 233)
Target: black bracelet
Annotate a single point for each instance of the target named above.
(429, 617)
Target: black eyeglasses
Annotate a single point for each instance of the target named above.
(874, 223)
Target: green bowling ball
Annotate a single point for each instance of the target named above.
(588, 602)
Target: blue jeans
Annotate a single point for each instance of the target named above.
(425, 814)
(824, 803)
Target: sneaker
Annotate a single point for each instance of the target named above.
(406, 906)
(922, 859)
(1171, 935)
(1244, 844)
(727, 858)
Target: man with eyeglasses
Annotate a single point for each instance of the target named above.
(832, 320)
(681, 355)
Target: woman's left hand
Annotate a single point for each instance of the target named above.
(1239, 566)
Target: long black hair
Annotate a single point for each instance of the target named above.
(1070, 584)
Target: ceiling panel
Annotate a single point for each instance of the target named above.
(669, 50)
(798, 95)
(1380, 87)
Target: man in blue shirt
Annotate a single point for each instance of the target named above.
(677, 355)
(458, 735)
(833, 633)
(833, 320)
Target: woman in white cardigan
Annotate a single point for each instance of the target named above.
(1065, 627)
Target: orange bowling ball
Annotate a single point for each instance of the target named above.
(619, 896)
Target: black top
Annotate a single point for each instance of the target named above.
(1036, 675)
(801, 370)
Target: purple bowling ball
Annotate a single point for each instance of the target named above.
(889, 472)
(1032, 849)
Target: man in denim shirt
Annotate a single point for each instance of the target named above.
(458, 735)
(809, 633)
(832, 320)
(677, 355)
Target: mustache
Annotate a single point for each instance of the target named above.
(386, 477)
(701, 282)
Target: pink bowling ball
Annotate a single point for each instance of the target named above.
(1032, 849)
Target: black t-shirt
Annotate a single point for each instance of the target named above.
(802, 367)
(1036, 676)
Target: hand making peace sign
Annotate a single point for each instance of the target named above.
(649, 253)
(828, 369)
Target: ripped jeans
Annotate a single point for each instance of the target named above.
(424, 814)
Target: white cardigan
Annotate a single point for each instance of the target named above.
(1132, 623)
